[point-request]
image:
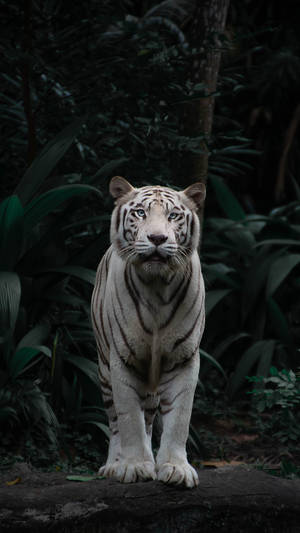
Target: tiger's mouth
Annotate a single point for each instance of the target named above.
(155, 257)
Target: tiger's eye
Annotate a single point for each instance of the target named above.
(140, 213)
(172, 216)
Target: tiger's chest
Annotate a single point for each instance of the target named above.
(159, 321)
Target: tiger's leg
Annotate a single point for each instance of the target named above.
(136, 460)
(177, 390)
(150, 409)
(114, 449)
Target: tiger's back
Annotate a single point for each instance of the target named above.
(148, 318)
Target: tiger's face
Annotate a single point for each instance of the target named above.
(156, 228)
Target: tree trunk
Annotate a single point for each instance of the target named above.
(231, 499)
(207, 26)
(25, 70)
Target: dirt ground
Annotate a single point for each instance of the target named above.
(236, 440)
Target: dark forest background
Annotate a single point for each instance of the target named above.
(159, 92)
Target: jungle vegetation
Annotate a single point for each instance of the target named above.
(93, 89)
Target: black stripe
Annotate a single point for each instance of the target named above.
(102, 326)
(173, 294)
(170, 402)
(100, 336)
(119, 302)
(125, 363)
(162, 383)
(142, 280)
(142, 301)
(107, 259)
(168, 197)
(192, 225)
(103, 379)
(187, 229)
(180, 364)
(106, 388)
(166, 411)
(108, 403)
(123, 223)
(113, 339)
(151, 411)
(135, 301)
(188, 333)
(171, 279)
(181, 297)
(98, 278)
(131, 351)
(118, 218)
(101, 354)
(170, 200)
(195, 299)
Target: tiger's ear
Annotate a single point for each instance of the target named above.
(196, 193)
(118, 187)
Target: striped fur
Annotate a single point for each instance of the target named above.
(148, 319)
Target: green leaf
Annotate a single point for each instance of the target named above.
(20, 359)
(92, 412)
(279, 271)
(91, 220)
(43, 349)
(66, 299)
(84, 478)
(10, 295)
(50, 200)
(213, 297)
(213, 361)
(80, 272)
(107, 169)
(282, 242)
(11, 232)
(89, 368)
(219, 271)
(227, 201)
(7, 413)
(264, 364)
(255, 279)
(238, 149)
(225, 343)
(279, 322)
(196, 441)
(35, 336)
(245, 364)
(242, 238)
(99, 425)
(46, 161)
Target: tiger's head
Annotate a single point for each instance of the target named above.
(156, 228)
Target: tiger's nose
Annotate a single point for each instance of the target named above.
(157, 238)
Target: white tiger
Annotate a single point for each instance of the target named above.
(148, 318)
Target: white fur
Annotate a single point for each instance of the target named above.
(142, 358)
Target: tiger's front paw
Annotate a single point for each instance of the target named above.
(178, 474)
(129, 471)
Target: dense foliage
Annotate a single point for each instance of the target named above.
(90, 90)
